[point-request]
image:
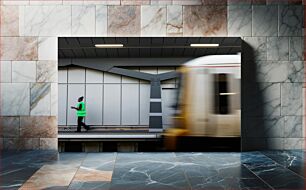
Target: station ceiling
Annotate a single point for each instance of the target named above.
(142, 47)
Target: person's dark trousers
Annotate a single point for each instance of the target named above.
(81, 123)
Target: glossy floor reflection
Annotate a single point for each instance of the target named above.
(248, 170)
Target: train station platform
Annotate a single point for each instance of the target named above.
(108, 136)
(101, 139)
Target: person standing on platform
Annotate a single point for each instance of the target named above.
(81, 113)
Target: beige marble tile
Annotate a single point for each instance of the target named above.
(205, 21)
(123, 20)
(102, 2)
(9, 20)
(174, 20)
(46, 71)
(187, 2)
(214, 2)
(48, 143)
(153, 20)
(21, 20)
(48, 176)
(28, 144)
(21, 143)
(18, 48)
(9, 127)
(89, 174)
(135, 2)
(38, 126)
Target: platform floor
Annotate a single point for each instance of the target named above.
(84, 135)
(124, 171)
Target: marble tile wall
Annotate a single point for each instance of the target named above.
(276, 70)
(273, 68)
(151, 2)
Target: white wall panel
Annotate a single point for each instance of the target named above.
(94, 76)
(62, 104)
(130, 79)
(112, 104)
(112, 78)
(119, 101)
(144, 104)
(74, 92)
(167, 85)
(130, 104)
(62, 76)
(94, 98)
(76, 75)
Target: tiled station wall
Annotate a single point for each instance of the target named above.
(111, 100)
(273, 73)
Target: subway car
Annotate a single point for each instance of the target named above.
(208, 107)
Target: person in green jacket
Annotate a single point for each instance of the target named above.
(81, 113)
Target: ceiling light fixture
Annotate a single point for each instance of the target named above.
(204, 45)
(109, 45)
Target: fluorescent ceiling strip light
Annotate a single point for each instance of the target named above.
(204, 45)
(228, 93)
(109, 45)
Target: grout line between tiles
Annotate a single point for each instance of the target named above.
(77, 170)
(111, 182)
(257, 176)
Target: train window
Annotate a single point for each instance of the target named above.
(221, 104)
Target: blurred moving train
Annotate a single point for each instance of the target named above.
(208, 100)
